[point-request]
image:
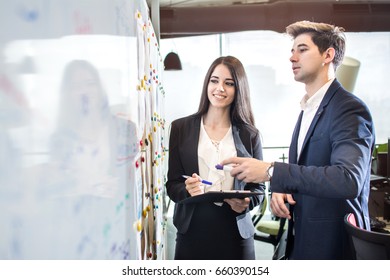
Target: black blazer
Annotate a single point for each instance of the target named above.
(183, 159)
(331, 177)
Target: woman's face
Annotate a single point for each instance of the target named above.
(221, 88)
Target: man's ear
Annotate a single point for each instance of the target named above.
(329, 55)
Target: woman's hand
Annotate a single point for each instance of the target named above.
(237, 204)
(194, 185)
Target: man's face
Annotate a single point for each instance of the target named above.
(307, 62)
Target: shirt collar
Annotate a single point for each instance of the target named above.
(314, 101)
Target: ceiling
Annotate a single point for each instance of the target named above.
(199, 17)
(206, 3)
(209, 3)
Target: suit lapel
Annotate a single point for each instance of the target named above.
(312, 126)
(294, 141)
(325, 101)
(192, 147)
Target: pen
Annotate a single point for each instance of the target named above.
(227, 168)
(203, 181)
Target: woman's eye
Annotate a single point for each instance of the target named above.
(214, 81)
(230, 84)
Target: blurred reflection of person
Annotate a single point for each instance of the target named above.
(83, 146)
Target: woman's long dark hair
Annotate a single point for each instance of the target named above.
(241, 109)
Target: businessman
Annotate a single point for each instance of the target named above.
(328, 173)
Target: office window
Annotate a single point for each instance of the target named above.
(274, 92)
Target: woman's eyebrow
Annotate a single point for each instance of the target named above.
(227, 79)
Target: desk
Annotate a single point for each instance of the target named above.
(387, 222)
(376, 201)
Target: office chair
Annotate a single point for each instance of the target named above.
(367, 245)
(269, 231)
(260, 212)
(376, 167)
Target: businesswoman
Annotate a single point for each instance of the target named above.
(222, 127)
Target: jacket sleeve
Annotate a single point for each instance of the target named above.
(175, 184)
(335, 163)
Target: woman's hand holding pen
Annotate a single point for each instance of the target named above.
(238, 205)
(194, 185)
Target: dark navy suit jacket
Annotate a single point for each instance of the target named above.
(183, 159)
(330, 178)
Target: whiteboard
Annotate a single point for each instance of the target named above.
(70, 128)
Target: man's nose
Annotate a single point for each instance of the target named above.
(293, 57)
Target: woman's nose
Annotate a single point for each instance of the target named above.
(220, 88)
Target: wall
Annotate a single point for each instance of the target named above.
(81, 131)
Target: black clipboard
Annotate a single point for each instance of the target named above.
(218, 196)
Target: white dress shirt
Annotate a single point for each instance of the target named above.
(310, 107)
